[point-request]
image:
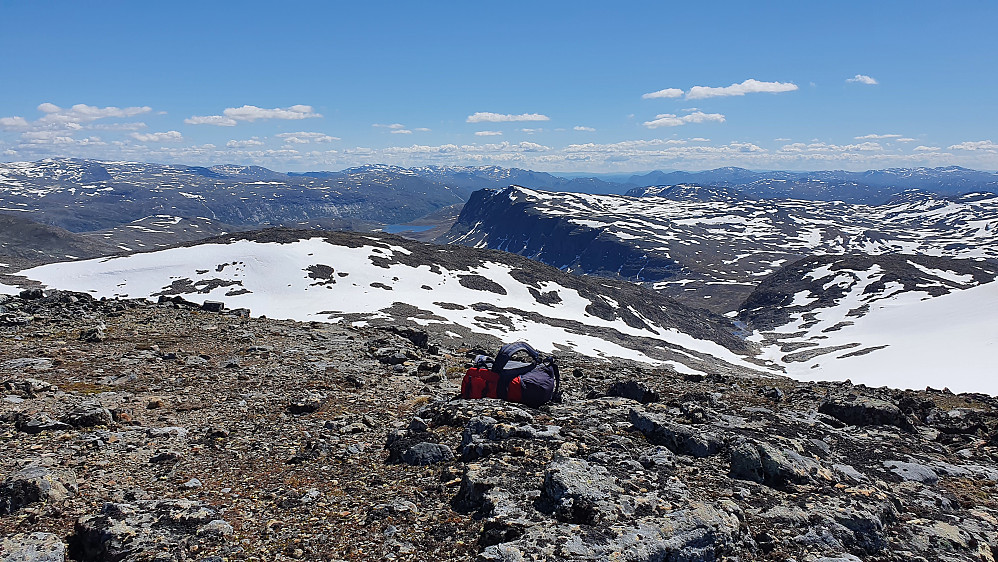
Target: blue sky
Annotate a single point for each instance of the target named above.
(556, 86)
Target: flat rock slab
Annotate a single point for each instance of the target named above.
(913, 472)
(32, 547)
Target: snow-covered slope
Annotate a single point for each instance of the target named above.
(456, 291)
(713, 251)
(899, 321)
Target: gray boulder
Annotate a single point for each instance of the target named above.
(32, 547)
(39, 423)
(576, 491)
(88, 414)
(765, 464)
(678, 438)
(28, 387)
(146, 530)
(36, 484)
(863, 410)
(425, 453)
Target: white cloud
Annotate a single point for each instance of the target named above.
(393, 126)
(217, 120)
(672, 120)
(905, 139)
(863, 79)
(876, 136)
(421, 130)
(13, 123)
(401, 132)
(303, 137)
(985, 145)
(83, 113)
(252, 113)
(583, 128)
(699, 139)
(826, 148)
(487, 117)
(46, 137)
(750, 86)
(233, 115)
(746, 147)
(132, 126)
(244, 143)
(167, 136)
(666, 93)
(923, 148)
(488, 133)
(530, 131)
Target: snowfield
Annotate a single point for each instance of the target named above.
(907, 340)
(315, 280)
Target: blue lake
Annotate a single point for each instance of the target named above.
(396, 228)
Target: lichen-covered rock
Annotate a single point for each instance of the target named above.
(32, 547)
(88, 414)
(578, 492)
(36, 484)
(422, 454)
(680, 439)
(146, 530)
(864, 410)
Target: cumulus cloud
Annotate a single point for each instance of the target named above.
(167, 136)
(666, 93)
(905, 139)
(876, 136)
(233, 115)
(583, 128)
(827, 148)
(83, 113)
(13, 123)
(984, 145)
(129, 126)
(923, 148)
(303, 137)
(244, 143)
(401, 132)
(252, 113)
(393, 126)
(863, 79)
(672, 120)
(488, 133)
(750, 86)
(487, 117)
(217, 120)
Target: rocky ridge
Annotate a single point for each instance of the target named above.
(709, 248)
(144, 431)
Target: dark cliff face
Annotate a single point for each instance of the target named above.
(503, 220)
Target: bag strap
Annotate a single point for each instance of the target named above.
(554, 368)
(506, 353)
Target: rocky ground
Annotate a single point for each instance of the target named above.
(141, 431)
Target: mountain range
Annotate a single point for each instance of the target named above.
(763, 284)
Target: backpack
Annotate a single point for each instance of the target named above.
(533, 383)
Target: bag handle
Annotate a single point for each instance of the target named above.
(506, 353)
